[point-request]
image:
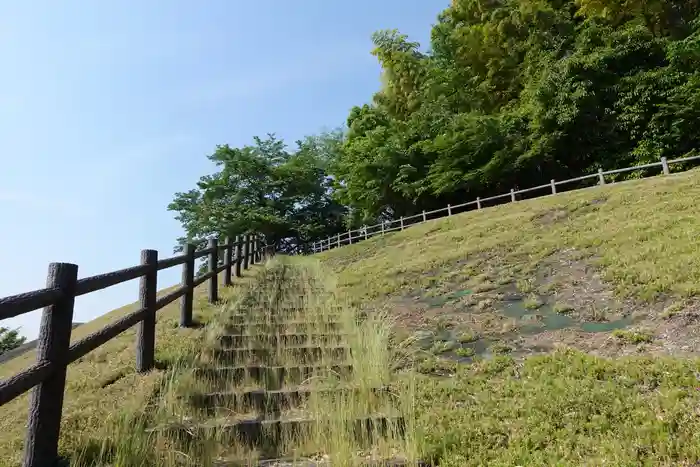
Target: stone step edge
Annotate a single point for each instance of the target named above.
(260, 432)
(275, 398)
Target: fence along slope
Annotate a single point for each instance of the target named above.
(47, 377)
(385, 227)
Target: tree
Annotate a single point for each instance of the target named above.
(10, 339)
(263, 188)
(517, 92)
(509, 93)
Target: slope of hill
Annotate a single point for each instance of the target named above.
(553, 331)
(103, 387)
(578, 312)
(26, 347)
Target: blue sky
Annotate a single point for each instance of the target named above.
(107, 108)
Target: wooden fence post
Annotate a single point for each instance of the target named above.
(187, 298)
(365, 231)
(664, 165)
(401, 222)
(146, 331)
(512, 195)
(449, 209)
(350, 237)
(424, 218)
(478, 202)
(239, 255)
(382, 227)
(246, 250)
(338, 240)
(228, 260)
(554, 186)
(213, 263)
(46, 405)
(601, 177)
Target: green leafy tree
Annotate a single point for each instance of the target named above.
(264, 188)
(10, 339)
(517, 92)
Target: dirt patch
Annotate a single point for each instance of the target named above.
(573, 282)
(556, 215)
(564, 301)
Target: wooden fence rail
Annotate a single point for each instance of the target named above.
(47, 376)
(551, 188)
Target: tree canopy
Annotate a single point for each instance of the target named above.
(264, 188)
(10, 339)
(508, 93)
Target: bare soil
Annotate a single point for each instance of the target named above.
(564, 280)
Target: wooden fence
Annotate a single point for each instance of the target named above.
(55, 352)
(551, 188)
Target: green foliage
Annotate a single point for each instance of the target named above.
(266, 189)
(510, 93)
(10, 339)
(518, 92)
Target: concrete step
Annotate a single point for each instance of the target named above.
(269, 401)
(270, 376)
(268, 435)
(263, 318)
(291, 327)
(306, 354)
(327, 462)
(275, 340)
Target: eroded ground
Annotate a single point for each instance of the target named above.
(560, 301)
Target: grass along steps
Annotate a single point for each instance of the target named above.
(301, 354)
(283, 328)
(274, 340)
(268, 376)
(299, 382)
(274, 400)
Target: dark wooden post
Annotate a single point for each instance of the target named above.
(213, 263)
(228, 260)
(187, 299)
(46, 405)
(239, 255)
(246, 250)
(254, 255)
(146, 331)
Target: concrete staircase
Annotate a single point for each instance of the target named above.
(281, 383)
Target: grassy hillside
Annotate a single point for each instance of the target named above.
(103, 387)
(577, 312)
(555, 331)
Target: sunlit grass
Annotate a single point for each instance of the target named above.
(173, 431)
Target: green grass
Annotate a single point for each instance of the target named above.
(106, 379)
(564, 408)
(642, 235)
(633, 337)
(532, 303)
(562, 308)
(626, 248)
(150, 436)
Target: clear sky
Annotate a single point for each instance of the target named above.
(109, 107)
